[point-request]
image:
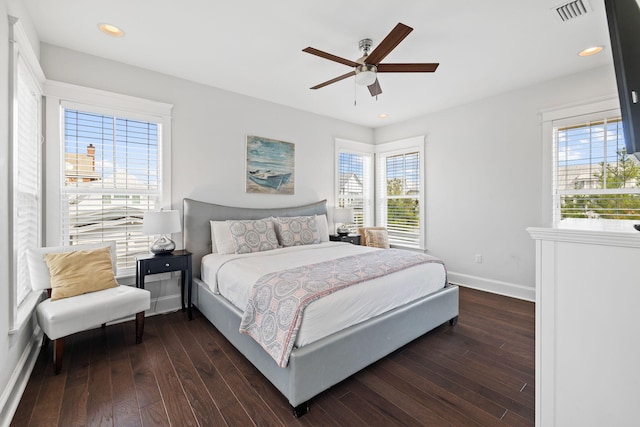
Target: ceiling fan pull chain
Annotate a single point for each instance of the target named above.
(355, 93)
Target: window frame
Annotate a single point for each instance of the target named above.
(20, 51)
(562, 116)
(368, 182)
(60, 96)
(394, 148)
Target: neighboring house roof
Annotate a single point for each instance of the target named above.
(350, 183)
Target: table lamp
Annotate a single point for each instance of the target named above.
(344, 217)
(161, 223)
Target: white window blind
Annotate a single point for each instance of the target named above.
(354, 185)
(26, 174)
(111, 176)
(595, 180)
(401, 193)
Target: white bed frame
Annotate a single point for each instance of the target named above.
(315, 367)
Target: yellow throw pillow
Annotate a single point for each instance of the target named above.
(377, 238)
(80, 272)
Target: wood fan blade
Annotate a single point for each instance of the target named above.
(337, 79)
(392, 40)
(375, 89)
(407, 68)
(330, 57)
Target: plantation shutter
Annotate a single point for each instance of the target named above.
(111, 177)
(402, 186)
(595, 178)
(400, 191)
(354, 177)
(27, 156)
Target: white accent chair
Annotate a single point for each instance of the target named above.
(67, 316)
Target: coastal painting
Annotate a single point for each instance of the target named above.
(270, 166)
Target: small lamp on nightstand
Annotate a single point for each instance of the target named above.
(344, 217)
(161, 223)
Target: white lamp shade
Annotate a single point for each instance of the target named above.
(343, 215)
(161, 222)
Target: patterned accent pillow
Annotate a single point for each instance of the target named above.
(377, 238)
(256, 235)
(362, 231)
(297, 230)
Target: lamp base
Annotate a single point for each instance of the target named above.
(162, 246)
(342, 231)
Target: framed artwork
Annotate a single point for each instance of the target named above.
(270, 166)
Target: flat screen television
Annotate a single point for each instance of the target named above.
(623, 17)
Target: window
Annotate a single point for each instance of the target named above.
(400, 191)
(595, 181)
(25, 147)
(111, 177)
(354, 180)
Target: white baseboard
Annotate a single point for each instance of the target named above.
(494, 286)
(164, 304)
(12, 393)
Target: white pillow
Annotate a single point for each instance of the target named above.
(223, 240)
(214, 249)
(323, 227)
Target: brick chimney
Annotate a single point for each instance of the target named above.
(91, 152)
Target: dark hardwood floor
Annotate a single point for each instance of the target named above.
(478, 373)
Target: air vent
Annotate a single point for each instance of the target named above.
(573, 9)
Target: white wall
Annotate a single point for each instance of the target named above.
(484, 179)
(209, 130)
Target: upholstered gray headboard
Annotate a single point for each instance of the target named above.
(197, 230)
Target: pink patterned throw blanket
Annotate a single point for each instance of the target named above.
(277, 300)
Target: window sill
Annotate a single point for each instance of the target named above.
(24, 311)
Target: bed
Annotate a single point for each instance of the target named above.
(314, 364)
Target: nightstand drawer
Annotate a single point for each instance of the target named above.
(159, 265)
(354, 239)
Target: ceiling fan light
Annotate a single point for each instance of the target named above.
(366, 74)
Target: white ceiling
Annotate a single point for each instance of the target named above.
(255, 47)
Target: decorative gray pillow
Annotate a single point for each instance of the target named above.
(256, 235)
(296, 230)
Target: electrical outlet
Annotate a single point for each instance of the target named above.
(479, 258)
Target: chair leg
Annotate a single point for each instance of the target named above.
(139, 326)
(45, 340)
(58, 353)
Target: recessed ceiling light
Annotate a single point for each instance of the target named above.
(591, 50)
(383, 116)
(111, 30)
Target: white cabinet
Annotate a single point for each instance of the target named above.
(587, 327)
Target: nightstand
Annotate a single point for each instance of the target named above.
(179, 260)
(354, 239)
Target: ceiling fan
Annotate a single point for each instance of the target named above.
(366, 68)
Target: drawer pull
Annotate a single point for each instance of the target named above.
(166, 265)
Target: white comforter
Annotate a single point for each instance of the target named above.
(233, 275)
